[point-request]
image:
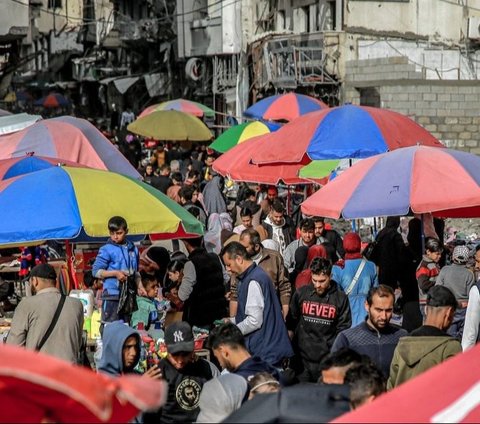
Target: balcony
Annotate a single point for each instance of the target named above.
(290, 61)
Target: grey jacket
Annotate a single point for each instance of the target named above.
(33, 317)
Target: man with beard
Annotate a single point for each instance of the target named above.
(271, 262)
(228, 345)
(277, 226)
(318, 312)
(48, 322)
(375, 337)
(258, 315)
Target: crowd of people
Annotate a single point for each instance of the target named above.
(284, 302)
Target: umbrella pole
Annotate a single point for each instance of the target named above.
(422, 233)
(70, 259)
(289, 200)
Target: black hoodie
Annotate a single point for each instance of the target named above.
(316, 320)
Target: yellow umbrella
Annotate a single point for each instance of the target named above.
(171, 125)
(11, 97)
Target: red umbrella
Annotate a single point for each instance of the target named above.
(449, 392)
(236, 164)
(39, 388)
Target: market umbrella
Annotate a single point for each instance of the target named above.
(70, 139)
(284, 107)
(14, 167)
(236, 164)
(446, 393)
(62, 202)
(240, 133)
(171, 125)
(52, 100)
(420, 179)
(182, 105)
(342, 132)
(4, 112)
(35, 387)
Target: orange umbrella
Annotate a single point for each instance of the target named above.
(38, 388)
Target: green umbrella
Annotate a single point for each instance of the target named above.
(319, 168)
(238, 134)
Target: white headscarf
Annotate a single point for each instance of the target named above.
(213, 237)
(271, 244)
(220, 397)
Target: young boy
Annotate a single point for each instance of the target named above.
(147, 309)
(428, 269)
(115, 261)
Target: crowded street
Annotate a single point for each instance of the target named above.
(277, 221)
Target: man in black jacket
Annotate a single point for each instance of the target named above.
(202, 288)
(318, 312)
(185, 374)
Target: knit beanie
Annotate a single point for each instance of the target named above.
(460, 255)
(352, 243)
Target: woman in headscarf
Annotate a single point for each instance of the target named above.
(213, 195)
(154, 261)
(356, 277)
(219, 229)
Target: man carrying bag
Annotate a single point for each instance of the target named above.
(48, 321)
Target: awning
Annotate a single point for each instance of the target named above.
(157, 84)
(123, 84)
(13, 123)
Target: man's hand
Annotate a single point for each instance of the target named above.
(153, 372)
(121, 276)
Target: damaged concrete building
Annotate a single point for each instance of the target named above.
(419, 57)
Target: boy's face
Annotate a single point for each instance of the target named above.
(434, 256)
(152, 289)
(118, 236)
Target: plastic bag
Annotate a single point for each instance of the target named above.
(127, 303)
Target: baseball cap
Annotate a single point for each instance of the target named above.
(440, 296)
(45, 271)
(460, 254)
(179, 338)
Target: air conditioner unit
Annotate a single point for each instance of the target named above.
(474, 28)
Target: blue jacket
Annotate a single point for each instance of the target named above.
(116, 257)
(270, 342)
(367, 280)
(114, 336)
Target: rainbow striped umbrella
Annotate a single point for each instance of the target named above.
(284, 107)
(63, 202)
(240, 133)
(68, 138)
(420, 179)
(182, 105)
